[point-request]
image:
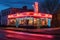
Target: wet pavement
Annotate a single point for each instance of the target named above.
(18, 35)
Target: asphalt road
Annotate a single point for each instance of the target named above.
(14, 35)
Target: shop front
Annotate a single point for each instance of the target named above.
(29, 19)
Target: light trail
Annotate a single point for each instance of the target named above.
(29, 34)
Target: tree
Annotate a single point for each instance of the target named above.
(50, 5)
(24, 7)
(56, 19)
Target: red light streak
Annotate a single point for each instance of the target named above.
(18, 14)
(41, 35)
(35, 14)
(39, 14)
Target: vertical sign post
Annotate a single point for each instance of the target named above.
(36, 7)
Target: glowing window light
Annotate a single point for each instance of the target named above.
(43, 22)
(34, 20)
(30, 22)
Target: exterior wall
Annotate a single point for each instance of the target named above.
(58, 20)
(0, 19)
(4, 20)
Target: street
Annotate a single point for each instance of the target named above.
(15, 35)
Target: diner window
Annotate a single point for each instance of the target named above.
(43, 22)
(11, 21)
(30, 22)
(35, 22)
(22, 22)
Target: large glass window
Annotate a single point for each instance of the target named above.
(43, 21)
(30, 21)
(36, 21)
(21, 21)
(40, 22)
(49, 22)
(11, 21)
(26, 21)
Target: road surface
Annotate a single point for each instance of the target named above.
(14, 35)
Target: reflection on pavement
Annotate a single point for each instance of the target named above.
(27, 36)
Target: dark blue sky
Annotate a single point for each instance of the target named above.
(4, 4)
(17, 3)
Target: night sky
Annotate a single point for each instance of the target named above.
(4, 4)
